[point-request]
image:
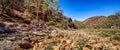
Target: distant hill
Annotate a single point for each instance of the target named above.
(97, 22)
(92, 21)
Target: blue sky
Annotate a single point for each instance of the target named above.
(83, 9)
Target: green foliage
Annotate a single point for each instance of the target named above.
(103, 32)
(44, 7)
(53, 3)
(59, 25)
(64, 24)
(107, 33)
(79, 24)
(112, 21)
(49, 48)
(51, 23)
(117, 37)
(101, 24)
(82, 43)
(52, 44)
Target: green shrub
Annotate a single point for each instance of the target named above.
(65, 24)
(117, 37)
(82, 43)
(51, 23)
(59, 25)
(79, 24)
(103, 32)
(50, 48)
(108, 32)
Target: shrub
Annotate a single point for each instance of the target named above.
(82, 43)
(103, 32)
(51, 23)
(117, 37)
(64, 24)
(108, 32)
(79, 24)
(58, 25)
(50, 48)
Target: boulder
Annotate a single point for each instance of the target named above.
(2, 25)
(9, 29)
(18, 48)
(2, 28)
(56, 47)
(25, 45)
(85, 48)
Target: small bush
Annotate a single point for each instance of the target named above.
(82, 43)
(49, 48)
(59, 25)
(65, 24)
(103, 32)
(108, 33)
(117, 37)
(51, 23)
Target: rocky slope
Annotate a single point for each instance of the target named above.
(93, 21)
(30, 37)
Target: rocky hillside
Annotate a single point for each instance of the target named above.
(97, 22)
(93, 21)
(29, 12)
